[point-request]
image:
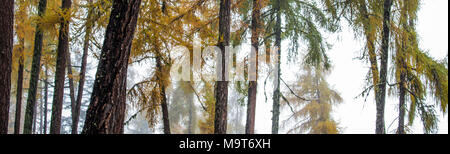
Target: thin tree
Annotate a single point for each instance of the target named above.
(6, 47)
(35, 70)
(63, 49)
(253, 86)
(106, 111)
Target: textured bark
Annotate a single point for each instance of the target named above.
(71, 91)
(106, 111)
(87, 36)
(380, 124)
(35, 70)
(61, 61)
(252, 91)
(6, 47)
(402, 108)
(276, 93)
(19, 89)
(221, 87)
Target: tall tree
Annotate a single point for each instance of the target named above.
(252, 91)
(35, 70)
(89, 25)
(6, 47)
(276, 92)
(61, 62)
(221, 88)
(106, 111)
(380, 126)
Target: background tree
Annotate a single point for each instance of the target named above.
(35, 70)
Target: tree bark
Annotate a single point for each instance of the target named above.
(165, 111)
(72, 92)
(19, 88)
(106, 111)
(221, 88)
(61, 61)
(276, 93)
(380, 124)
(6, 47)
(252, 91)
(35, 70)
(87, 36)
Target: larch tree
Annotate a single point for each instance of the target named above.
(303, 21)
(23, 29)
(35, 70)
(221, 87)
(416, 73)
(253, 85)
(106, 111)
(312, 100)
(6, 48)
(61, 63)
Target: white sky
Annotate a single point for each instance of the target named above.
(355, 115)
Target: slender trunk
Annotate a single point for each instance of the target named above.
(34, 118)
(402, 108)
(45, 100)
(221, 88)
(87, 36)
(164, 107)
(106, 111)
(41, 113)
(72, 91)
(251, 105)
(6, 47)
(63, 49)
(380, 126)
(35, 70)
(276, 93)
(19, 88)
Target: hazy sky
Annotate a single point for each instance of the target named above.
(355, 115)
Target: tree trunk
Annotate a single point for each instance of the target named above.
(221, 88)
(45, 100)
(63, 49)
(72, 91)
(35, 70)
(251, 105)
(165, 111)
(19, 88)
(106, 111)
(87, 36)
(276, 93)
(380, 126)
(6, 47)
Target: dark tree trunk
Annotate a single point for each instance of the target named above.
(402, 108)
(251, 105)
(72, 91)
(221, 88)
(106, 111)
(87, 36)
(61, 61)
(19, 89)
(6, 47)
(45, 100)
(35, 70)
(380, 126)
(276, 93)
(165, 111)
